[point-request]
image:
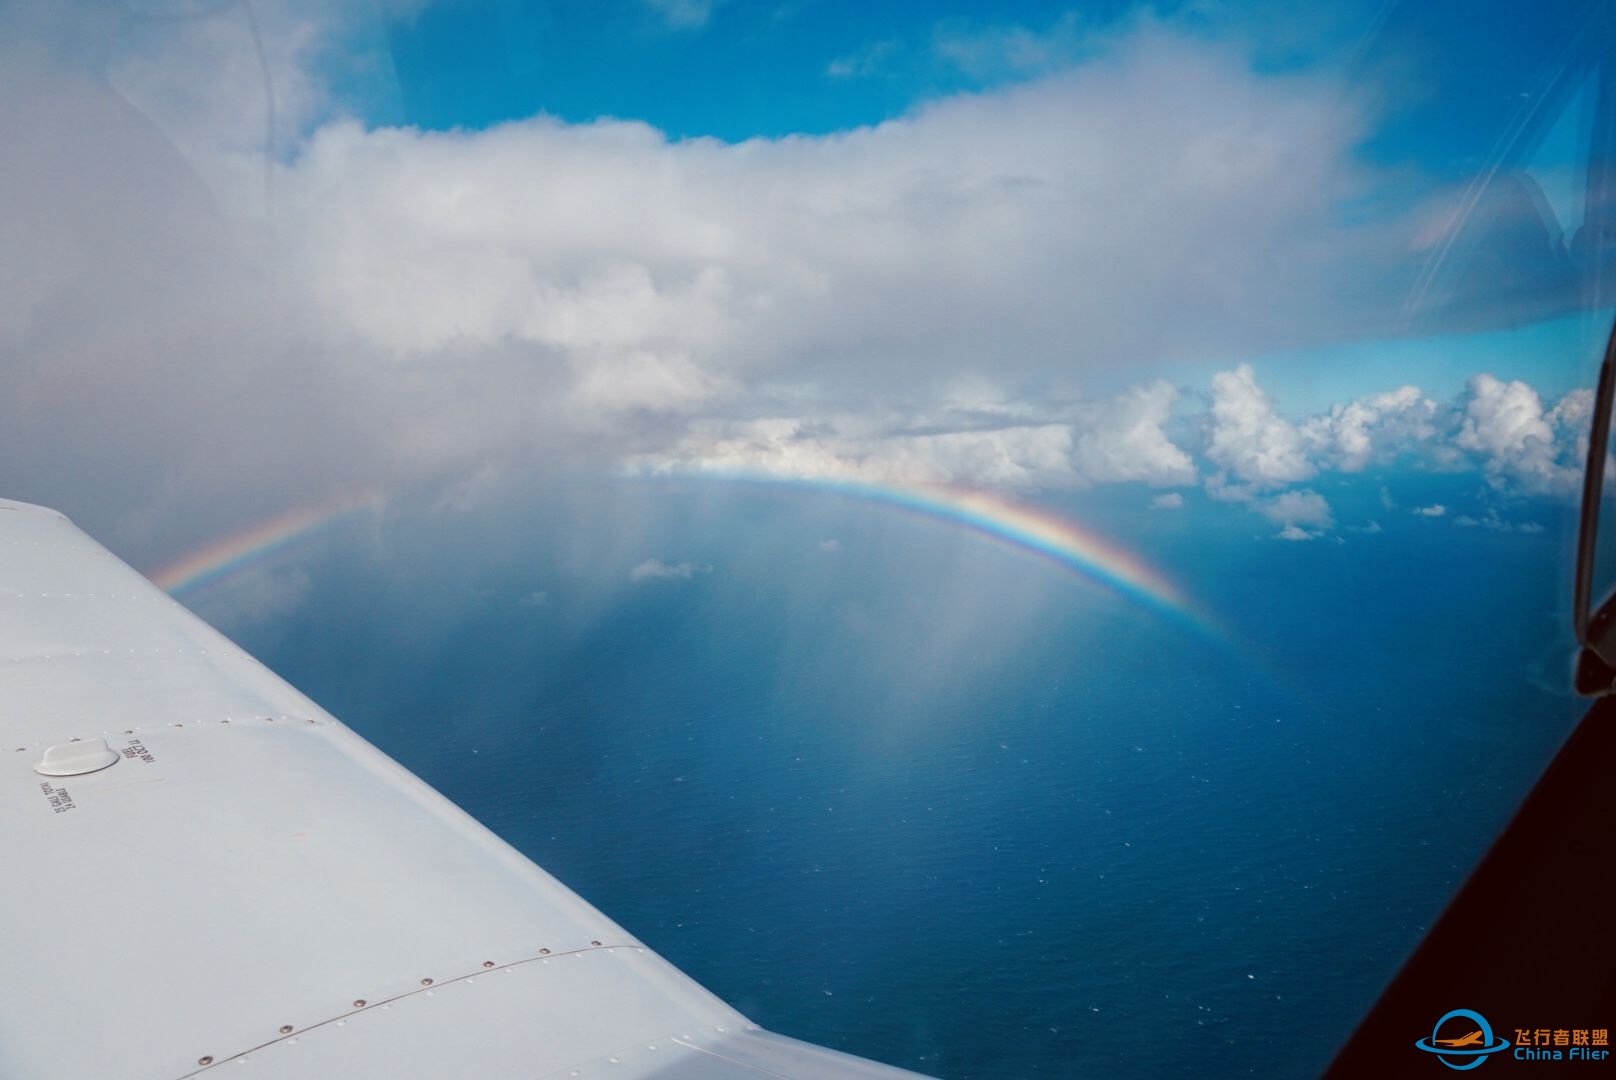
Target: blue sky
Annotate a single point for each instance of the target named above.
(735, 69)
(729, 70)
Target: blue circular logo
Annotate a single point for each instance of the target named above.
(1469, 1044)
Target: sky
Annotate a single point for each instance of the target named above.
(471, 359)
(1029, 248)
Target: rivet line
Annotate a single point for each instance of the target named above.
(428, 987)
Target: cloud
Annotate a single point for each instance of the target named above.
(1172, 500)
(1518, 442)
(1377, 430)
(1248, 437)
(875, 450)
(424, 305)
(830, 546)
(684, 14)
(991, 53)
(1498, 427)
(919, 246)
(914, 301)
(657, 570)
(1004, 442)
(1304, 515)
(220, 89)
(1125, 440)
(873, 59)
(1571, 418)
(1492, 520)
(535, 599)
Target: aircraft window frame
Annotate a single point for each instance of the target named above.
(1596, 665)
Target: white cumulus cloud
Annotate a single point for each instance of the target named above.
(1520, 443)
(1249, 439)
(1376, 430)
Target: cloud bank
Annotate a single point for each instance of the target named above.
(189, 336)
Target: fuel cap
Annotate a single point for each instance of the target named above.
(77, 758)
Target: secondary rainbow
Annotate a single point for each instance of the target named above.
(224, 556)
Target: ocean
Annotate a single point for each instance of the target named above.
(902, 789)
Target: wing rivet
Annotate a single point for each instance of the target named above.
(594, 943)
(544, 952)
(488, 963)
(205, 1059)
(129, 731)
(286, 1029)
(359, 1003)
(426, 982)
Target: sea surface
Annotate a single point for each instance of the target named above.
(907, 791)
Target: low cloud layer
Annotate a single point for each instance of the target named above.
(1232, 439)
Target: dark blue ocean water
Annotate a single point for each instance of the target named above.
(924, 798)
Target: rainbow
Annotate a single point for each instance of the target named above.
(232, 553)
(1016, 525)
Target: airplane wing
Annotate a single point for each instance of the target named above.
(206, 873)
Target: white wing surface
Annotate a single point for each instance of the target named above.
(251, 889)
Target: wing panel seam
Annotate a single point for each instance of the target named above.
(427, 985)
